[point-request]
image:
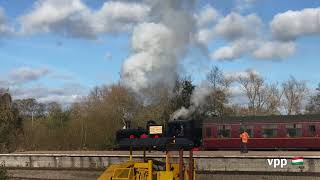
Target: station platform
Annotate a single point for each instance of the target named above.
(250, 154)
(206, 161)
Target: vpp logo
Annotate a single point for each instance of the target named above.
(277, 162)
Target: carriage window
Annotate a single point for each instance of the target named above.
(312, 130)
(224, 131)
(208, 132)
(294, 130)
(269, 130)
(248, 129)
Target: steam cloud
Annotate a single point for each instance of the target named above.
(159, 45)
(197, 99)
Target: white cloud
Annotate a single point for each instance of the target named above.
(26, 74)
(235, 26)
(227, 53)
(207, 15)
(244, 37)
(4, 83)
(64, 99)
(74, 18)
(205, 19)
(237, 96)
(237, 74)
(256, 48)
(35, 92)
(275, 50)
(65, 94)
(235, 50)
(236, 90)
(17, 80)
(4, 27)
(241, 32)
(293, 24)
(118, 16)
(204, 36)
(48, 15)
(231, 27)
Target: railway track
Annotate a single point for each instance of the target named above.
(204, 153)
(53, 174)
(315, 154)
(88, 175)
(85, 165)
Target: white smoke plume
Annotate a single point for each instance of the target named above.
(182, 113)
(200, 93)
(197, 99)
(159, 45)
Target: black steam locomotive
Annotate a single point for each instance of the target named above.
(176, 134)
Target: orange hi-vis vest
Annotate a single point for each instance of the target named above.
(244, 137)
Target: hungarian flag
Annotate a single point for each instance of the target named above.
(297, 161)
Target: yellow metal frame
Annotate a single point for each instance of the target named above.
(132, 170)
(128, 172)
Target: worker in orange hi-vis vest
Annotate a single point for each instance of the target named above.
(244, 136)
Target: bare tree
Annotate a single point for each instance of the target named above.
(217, 100)
(254, 88)
(218, 80)
(294, 93)
(313, 106)
(30, 107)
(95, 120)
(273, 101)
(158, 104)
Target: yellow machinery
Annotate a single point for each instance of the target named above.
(149, 170)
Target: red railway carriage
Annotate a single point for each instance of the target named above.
(266, 132)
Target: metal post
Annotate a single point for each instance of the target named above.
(167, 161)
(144, 154)
(194, 168)
(32, 121)
(191, 165)
(150, 167)
(181, 168)
(130, 153)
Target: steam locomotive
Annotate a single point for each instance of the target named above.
(177, 134)
(219, 133)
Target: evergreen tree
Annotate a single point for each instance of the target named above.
(10, 122)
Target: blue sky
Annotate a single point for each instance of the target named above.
(53, 55)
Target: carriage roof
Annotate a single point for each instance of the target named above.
(266, 119)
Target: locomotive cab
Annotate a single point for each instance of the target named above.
(188, 129)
